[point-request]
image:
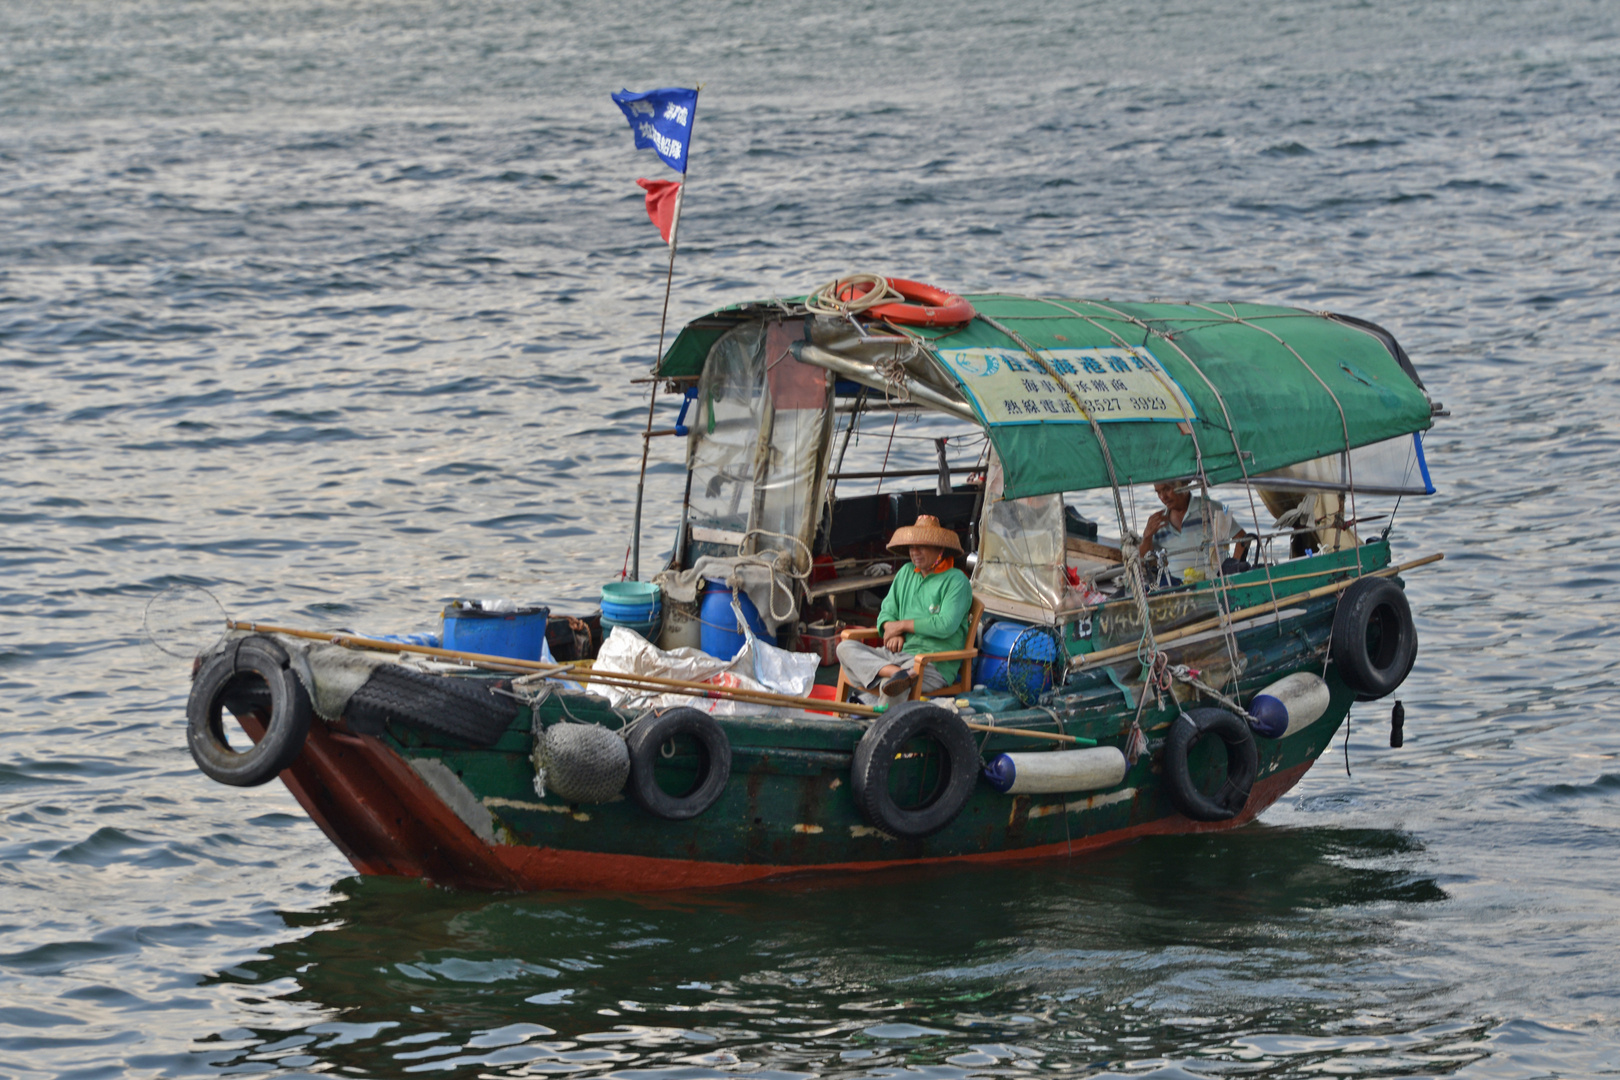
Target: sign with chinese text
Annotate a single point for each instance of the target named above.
(1124, 383)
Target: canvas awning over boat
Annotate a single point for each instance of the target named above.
(1176, 389)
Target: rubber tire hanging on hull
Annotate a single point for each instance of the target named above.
(1242, 764)
(1374, 640)
(875, 756)
(232, 678)
(465, 708)
(645, 741)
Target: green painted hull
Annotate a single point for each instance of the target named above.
(414, 802)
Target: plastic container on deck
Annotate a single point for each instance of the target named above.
(519, 634)
(627, 602)
(821, 638)
(721, 636)
(999, 641)
(647, 628)
(990, 669)
(681, 627)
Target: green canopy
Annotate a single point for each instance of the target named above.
(1168, 385)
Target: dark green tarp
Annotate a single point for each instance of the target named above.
(1293, 383)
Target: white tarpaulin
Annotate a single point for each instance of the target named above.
(1391, 467)
(759, 666)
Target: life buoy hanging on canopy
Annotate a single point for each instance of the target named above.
(925, 306)
(919, 304)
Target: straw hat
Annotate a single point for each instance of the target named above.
(927, 531)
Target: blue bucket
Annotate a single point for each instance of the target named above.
(627, 602)
(721, 636)
(628, 613)
(647, 628)
(518, 634)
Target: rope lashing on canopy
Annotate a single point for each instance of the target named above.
(1148, 649)
(1344, 423)
(1222, 600)
(896, 380)
(1129, 556)
(842, 298)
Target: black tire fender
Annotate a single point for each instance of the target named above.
(645, 740)
(1374, 639)
(875, 755)
(1242, 764)
(465, 708)
(251, 675)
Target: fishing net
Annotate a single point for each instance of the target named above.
(1035, 664)
(582, 763)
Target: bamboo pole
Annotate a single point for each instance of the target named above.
(568, 671)
(625, 679)
(1028, 734)
(630, 680)
(1080, 663)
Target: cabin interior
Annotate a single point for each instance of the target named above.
(818, 467)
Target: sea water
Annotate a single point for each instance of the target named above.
(332, 310)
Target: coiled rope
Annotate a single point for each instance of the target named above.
(842, 296)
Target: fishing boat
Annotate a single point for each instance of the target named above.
(1102, 696)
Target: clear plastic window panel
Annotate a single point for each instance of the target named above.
(761, 434)
(799, 428)
(1021, 551)
(725, 434)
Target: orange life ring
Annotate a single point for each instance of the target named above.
(927, 306)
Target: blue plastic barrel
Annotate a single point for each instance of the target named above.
(518, 634)
(994, 646)
(1000, 641)
(721, 636)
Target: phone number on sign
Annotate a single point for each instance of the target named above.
(1136, 404)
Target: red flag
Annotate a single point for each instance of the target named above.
(663, 204)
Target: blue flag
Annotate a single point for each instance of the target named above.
(661, 119)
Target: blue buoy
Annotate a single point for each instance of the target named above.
(1291, 703)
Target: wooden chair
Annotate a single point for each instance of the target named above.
(964, 680)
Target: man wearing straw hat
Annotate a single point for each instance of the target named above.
(926, 611)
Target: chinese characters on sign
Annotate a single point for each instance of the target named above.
(1125, 383)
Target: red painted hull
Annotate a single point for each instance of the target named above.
(385, 818)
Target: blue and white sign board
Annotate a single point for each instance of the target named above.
(1125, 383)
(662, 121)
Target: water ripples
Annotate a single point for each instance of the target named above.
(332, 312)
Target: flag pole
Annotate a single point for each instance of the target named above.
(658, 361)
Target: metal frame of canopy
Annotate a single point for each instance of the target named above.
(1282, 384)
(1200, 393)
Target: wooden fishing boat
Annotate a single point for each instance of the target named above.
(1123, 701)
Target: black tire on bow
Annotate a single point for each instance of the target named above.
(1242, 764)
(646, 740)
(465, 708)
(252, 675)
(1374, 640)
(923, 747)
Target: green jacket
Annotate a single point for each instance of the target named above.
(938, 604)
